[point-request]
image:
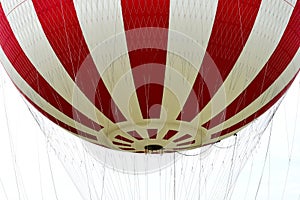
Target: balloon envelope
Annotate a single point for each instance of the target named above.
(151, 75)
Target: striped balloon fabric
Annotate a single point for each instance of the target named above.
(151, 75)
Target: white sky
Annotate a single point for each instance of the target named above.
(25, 172)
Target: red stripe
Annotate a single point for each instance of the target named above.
(135, 135)
(232, 26)
(170, 134)
(253, 116)
(278, 62)
(192, 105)
(142, 14)
(122, 138)
(62, 29)
(152, 133)
(27, 71)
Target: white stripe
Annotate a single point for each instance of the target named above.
(10, 5)
(42, 103)
(102, 26)
(190, 27)
(264, 98)
(28, 31)
(271, 21)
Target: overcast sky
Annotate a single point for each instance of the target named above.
(30, 170)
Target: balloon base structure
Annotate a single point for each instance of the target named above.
(153, 148)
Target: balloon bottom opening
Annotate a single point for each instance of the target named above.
(153, 147)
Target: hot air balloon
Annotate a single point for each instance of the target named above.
(148, 75)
